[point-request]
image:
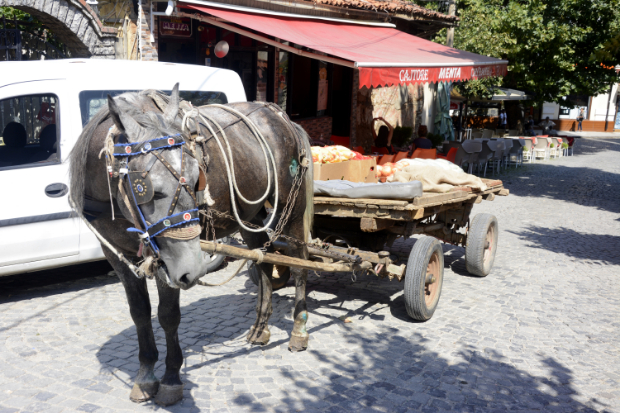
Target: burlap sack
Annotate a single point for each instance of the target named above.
(436, 179)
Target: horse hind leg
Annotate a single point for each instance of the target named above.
(169, 315)
(146, 384)
(259, 332)
(299, 335)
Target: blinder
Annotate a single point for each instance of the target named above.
(141, 187)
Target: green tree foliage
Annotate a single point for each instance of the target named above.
(27, 23)
(549, 44)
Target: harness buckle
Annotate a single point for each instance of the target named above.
(145, 238)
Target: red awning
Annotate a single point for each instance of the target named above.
(384, 56)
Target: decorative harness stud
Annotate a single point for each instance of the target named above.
(142, 189)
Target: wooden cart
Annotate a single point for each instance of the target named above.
(351, 235)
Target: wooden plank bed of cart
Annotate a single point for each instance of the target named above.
(369, 224)
(351, 234)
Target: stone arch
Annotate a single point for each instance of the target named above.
(74, 23)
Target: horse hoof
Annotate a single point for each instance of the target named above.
(298, 343)
(143, 392)
(261, 340)
(168, 395)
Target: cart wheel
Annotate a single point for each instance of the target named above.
(216, 260)
(424, 278)
(284, 274)
(481, 245)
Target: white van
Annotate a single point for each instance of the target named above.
(43, 108)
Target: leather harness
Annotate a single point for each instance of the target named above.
(141, 189)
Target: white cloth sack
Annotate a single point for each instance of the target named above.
(439, 163)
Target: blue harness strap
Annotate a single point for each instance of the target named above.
(139, 148)
(171, 220)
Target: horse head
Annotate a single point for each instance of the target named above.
(158, 188)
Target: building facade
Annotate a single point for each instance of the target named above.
(601, 112)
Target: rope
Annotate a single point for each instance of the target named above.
(206, 284)
(229, 163)
(261, 256)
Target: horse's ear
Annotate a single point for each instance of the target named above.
(125, 123)
(172, 110)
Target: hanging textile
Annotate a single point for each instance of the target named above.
(443, 121)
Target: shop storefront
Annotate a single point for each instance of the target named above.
(331, 76)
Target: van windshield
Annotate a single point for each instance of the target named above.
(93, 100)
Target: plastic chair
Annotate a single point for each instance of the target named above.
(487, 134)
(476, 135)
(472, 149)
(528, 150)
(400, 155)
(450, 156)
(507, 148)
(424, 154)
(498, 153)
(383, 151)
(541, 147)
(484, 156)
(555, 151)
(385, 159)
(516, 152)
(513, 132)
(571, 143)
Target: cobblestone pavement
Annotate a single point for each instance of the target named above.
(540, 333)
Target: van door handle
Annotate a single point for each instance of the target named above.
(56, 190)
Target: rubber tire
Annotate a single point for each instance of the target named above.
(415, 278)
(475, 247)
(276, 283)
(218, 259)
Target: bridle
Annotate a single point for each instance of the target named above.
(141, 188)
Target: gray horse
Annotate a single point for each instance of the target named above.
(145, 194)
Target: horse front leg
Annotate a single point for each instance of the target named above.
(259, 332)
(146, 384)
(169, 314)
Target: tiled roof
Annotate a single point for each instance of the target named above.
(390, 6)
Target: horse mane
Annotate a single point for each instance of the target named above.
(130, 103)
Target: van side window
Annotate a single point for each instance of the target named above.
(93, 100)
(29, 132)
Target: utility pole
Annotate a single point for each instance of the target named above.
(451, 12)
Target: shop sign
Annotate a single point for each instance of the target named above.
(175, 27)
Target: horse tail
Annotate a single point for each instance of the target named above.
(309, 183)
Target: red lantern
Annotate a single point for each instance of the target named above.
(221, 49)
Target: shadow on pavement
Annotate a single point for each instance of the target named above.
(386, 372)
(583, 246)
(54, 281)
(590, 146)
(582, 186)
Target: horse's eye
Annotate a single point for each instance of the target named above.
(159, 195)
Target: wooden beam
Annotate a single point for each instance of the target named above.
(270, 258)
(374, 224)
